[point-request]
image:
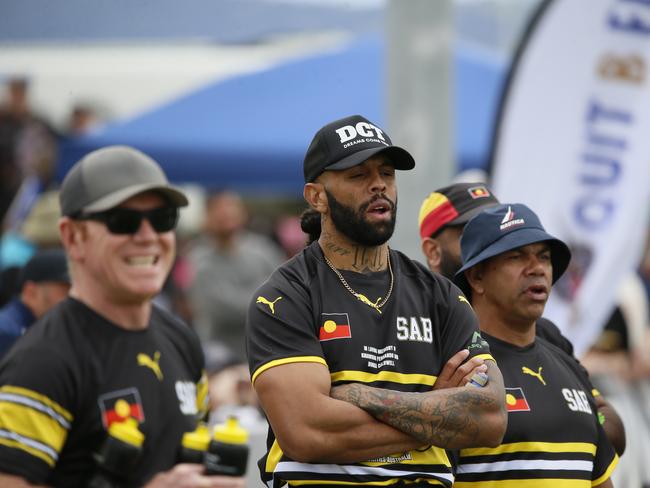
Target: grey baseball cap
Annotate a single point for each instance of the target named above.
(106, 177)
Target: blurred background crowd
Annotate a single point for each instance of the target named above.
(236, 232)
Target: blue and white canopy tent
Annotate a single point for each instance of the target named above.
(250, 133)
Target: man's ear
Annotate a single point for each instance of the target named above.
(315, 196)
(474, 276)
(432, 250)
(28, 293)
(73, 234)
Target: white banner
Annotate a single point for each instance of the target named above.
(573, 143)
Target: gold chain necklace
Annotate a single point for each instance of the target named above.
(361, 297)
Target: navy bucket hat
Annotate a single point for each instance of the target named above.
(504, 228)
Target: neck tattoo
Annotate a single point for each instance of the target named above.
(361, 297)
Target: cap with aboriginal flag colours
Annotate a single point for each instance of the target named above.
(348, 142)
(453, 205)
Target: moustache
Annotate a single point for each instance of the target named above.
(381, 196)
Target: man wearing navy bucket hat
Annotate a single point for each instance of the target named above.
(509, 265)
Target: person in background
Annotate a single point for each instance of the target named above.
(228, 263)
(230, 390)
(442, 218)
(44, 282)
(38, 230)
(290, 235)
(619, 365)
(348, 339)
(106, 355)
(83, 119)
(554, 436)
(28, 152)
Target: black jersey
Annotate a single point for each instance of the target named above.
(74, 373)
(550, 332)
(547, 330)
(304, 313)
(553, 434)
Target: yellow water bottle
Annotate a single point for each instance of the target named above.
(228, 450)
(195, 444)
(119, 455)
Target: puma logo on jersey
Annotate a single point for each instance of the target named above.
(366, 300)
(461, 298)
(265, 301)
(537, 375)
(152, 364)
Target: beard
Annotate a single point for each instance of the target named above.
(449, 264)
(354, 225)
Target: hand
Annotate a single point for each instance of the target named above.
(456, 373)
(191, 476)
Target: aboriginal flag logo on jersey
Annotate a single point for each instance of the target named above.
(516, 400)
(334, 326)
(118, 406)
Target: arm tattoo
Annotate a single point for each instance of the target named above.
(439, 420)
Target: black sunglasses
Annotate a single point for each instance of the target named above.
(127, 220)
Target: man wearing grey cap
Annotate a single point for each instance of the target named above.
(107, 375)
(347, 340)
(44, 282)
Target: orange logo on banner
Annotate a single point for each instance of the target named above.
(335, 326)
(631, 68)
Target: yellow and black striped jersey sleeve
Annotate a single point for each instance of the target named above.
(75, 373)
(36, 412)
(33, 423)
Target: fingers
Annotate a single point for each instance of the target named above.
(452, 365)
(225, 482)
(458, 373)
(471, 368)
(180, 476)
(478, 380)
(191, 476)
(465, 371)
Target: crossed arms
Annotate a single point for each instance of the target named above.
(351, 423)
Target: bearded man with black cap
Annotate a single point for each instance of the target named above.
(347, 339)
(554, 437)
(100, 392)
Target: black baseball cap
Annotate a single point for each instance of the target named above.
(106, 177)
(496, 230)
(46, 265)
(348, 142)
(453, 205)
